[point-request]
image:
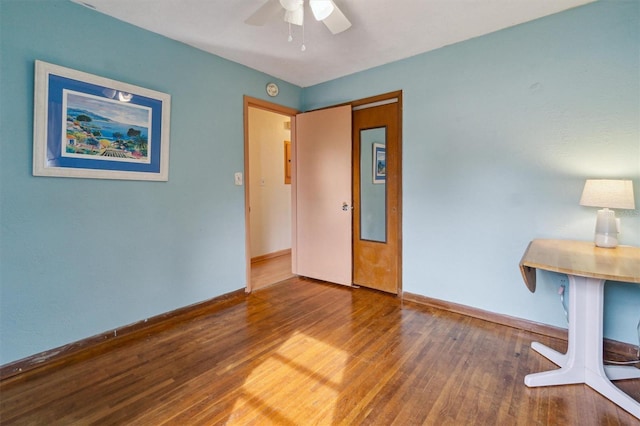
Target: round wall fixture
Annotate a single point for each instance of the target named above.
(272, 89)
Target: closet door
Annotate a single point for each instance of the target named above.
(376, 182)
(323, 195)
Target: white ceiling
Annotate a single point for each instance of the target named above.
(383, 31)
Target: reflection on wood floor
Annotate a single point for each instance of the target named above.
(270, 271)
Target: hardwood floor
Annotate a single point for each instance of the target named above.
(302, 352)
(270, 271)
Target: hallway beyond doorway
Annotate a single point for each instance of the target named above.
(270, 271)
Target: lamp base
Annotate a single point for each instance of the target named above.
(606, 229)
(606, 240)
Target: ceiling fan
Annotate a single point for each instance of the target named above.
(323, 10)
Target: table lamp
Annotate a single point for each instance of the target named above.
(610, 194)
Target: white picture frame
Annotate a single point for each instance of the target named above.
(86, 126)
(379, 165)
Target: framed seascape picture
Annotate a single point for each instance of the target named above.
(87, 126)
(379, 163)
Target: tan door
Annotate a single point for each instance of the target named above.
(376, 191)
(322, 195)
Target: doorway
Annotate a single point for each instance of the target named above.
(267, 193)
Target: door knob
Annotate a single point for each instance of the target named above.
(345, 206)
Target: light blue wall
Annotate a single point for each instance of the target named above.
(80, 257)
(499, 134)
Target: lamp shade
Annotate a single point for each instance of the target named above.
(609, 193)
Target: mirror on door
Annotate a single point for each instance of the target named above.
(373, 171)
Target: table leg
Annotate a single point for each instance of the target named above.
(583, 361)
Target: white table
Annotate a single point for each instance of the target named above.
(587, 267)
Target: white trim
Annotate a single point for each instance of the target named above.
(375, 104)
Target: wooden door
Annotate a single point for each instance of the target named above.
(376, 190)
(322, 195)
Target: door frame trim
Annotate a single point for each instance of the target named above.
(250, 102)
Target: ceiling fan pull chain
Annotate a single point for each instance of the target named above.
(303, 48)
(290, 39)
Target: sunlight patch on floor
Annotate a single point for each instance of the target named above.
(314, 373)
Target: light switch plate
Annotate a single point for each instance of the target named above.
(238, 178)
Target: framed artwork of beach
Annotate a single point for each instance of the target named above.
(87, 126)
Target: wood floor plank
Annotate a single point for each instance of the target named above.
(271, 270)
(304, 352)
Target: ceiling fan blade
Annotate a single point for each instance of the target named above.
(337, 22)
(264, 13)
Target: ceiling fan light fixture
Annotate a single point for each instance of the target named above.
(337, 22)
(321, 8)
(293, 11)
(291, 5)
(295, 17)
